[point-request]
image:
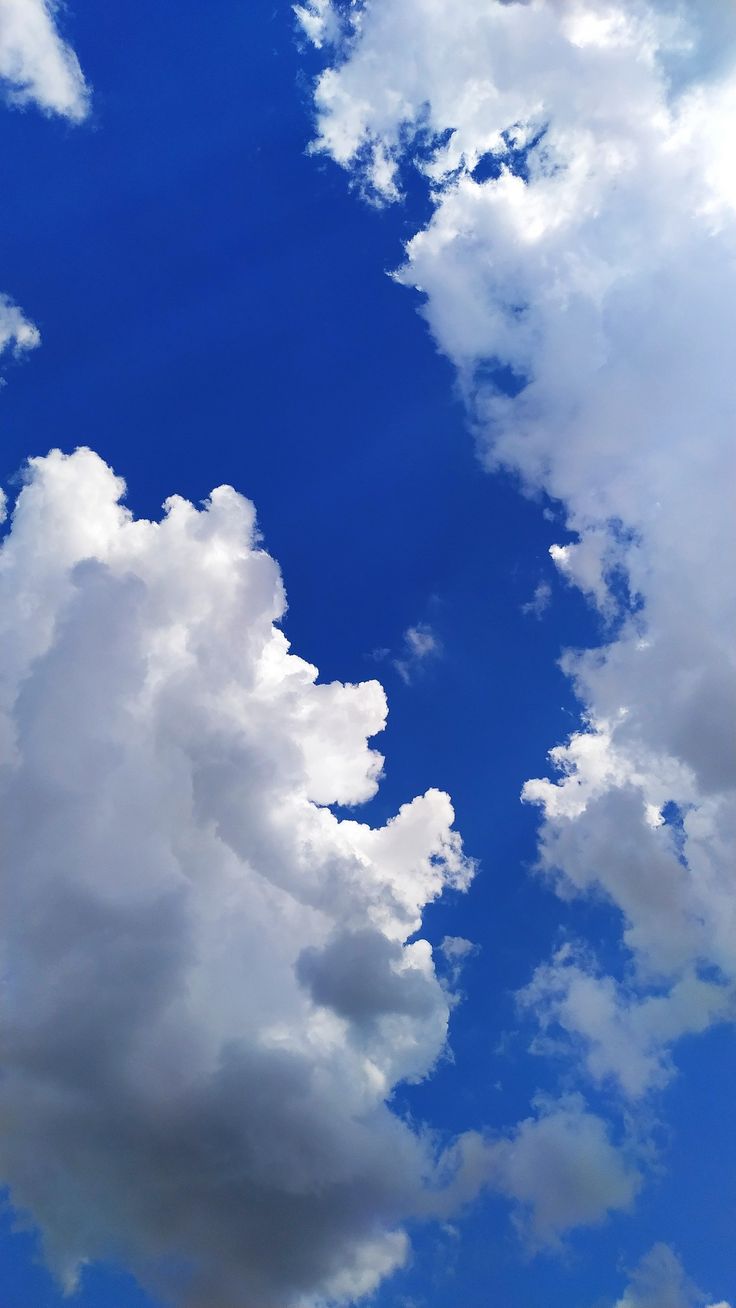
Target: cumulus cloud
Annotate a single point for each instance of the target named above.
(209, 989)
(36, 64)
(659, 1281)
(579, 269)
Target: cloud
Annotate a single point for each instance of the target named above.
(623, 1037)
(582, 242)
(659, 1281)
(457, 952)
(36, 64)
(363, 976)
(540, 601)
(559, 1168)
(563, 1170)
(420, 645)
(208, 990)
(17, 334)
(319, 21)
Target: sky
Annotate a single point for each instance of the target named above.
(367, 697)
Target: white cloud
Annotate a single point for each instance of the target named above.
(36, 64)
(17, 334)
(208, 990)
(583, 239)
(659, 1281)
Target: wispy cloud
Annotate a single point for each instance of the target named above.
(421, 645)
(540, 601)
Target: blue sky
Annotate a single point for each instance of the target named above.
(214, 307)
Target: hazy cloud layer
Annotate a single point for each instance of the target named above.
(581, 251)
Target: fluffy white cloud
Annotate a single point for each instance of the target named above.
(659, 1281)
(208, 990)
(579, 268)
(36, 64)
